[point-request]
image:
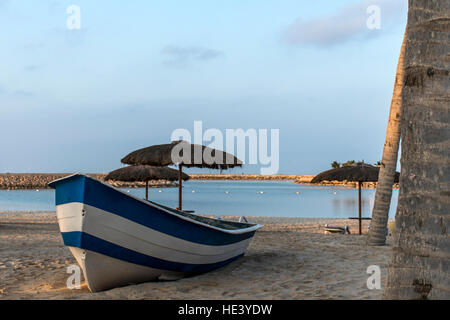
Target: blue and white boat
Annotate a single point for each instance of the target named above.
(118, 239)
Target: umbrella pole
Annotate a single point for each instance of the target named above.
(146, 190)
(180, 186)
(359, 204)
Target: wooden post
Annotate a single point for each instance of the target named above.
(180, 186)
(146, 190)
(359, 204)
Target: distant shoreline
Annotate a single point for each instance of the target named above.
(26, 181)
(30, 181)
(254, 177)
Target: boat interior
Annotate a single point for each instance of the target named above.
(224, 224)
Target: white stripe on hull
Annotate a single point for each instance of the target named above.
(102, 272)
(139, 238)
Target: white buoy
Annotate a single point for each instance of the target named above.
(227, 192)
(193, 191)
(261, 192)
(37, 190)
(128, 191)
(159, 190)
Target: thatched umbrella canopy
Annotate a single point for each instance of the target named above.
(359, 172)
(184, 154)
(144, 173)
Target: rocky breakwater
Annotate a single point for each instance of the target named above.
(14, 181)
(290, 177)
(344, 184)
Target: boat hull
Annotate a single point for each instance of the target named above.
(119, 273)
(118, 239)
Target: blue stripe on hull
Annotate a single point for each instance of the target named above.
(86, 241)
(94, 193)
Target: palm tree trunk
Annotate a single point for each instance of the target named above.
(359, 207)
(420, 263)
(383, 195)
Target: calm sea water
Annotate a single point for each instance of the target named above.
(248, 198)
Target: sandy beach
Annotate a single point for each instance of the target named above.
(289, 258)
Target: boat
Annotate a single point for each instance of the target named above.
(119, 239)
(331, 229)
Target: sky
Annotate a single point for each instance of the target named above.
(79, 100)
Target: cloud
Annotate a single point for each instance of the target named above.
(179, 56)
(56, 6)
(20, 93)
(347, 24)
(23, 93)
(32, 67)
(34, 46)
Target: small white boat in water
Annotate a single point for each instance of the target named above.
(119, 239)
(331, 229)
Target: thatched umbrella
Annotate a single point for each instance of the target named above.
(184, 154)
(144, 173)
(359, 172)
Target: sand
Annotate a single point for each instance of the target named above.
(289, 258)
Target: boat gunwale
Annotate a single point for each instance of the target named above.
(230, 231)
